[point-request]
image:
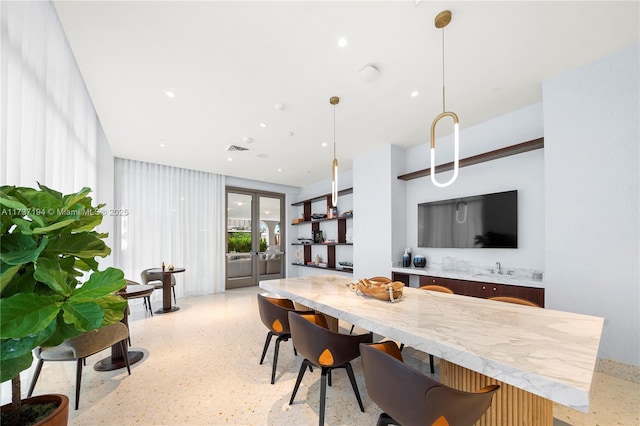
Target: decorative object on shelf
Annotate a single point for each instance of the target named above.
(300, 256)
(297, 220)
(537, 276)
(305, 240)
(318, 237)
(379, 288)
(442, 20)
(348, 213)
(419, 261)
(346, 264)
(318, 216)
(406, 259)
(334, 100)
(318, 260)
(170, 267)
(332, 212)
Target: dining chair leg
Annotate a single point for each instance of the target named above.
(266, 345)
(36, 374)
(78, 380)
(352, 378)
(281, 338)
(125, 355)
(323, 393)
(433, 370)
(147, 304)
(384, 420)
(174, 294)
(303, 369)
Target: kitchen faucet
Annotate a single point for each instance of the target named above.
(499, 268)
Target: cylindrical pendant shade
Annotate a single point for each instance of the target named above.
(334, 183)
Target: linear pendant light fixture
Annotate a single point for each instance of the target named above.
(334, 100)
(442, 20)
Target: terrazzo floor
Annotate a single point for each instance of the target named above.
(201, 368)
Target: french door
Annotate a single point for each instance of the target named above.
(255, 237)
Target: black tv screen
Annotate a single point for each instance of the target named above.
(481, 221)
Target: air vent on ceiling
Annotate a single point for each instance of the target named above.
(236, 148)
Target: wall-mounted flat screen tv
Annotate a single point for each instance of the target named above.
(480, 221)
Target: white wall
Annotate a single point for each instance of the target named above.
(377, 221)
(592, 168)
(524, 172)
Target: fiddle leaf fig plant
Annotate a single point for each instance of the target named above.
(50, 286)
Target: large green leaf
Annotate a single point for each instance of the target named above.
(86, 244)
(70, 200)
(84, 316)
(7, 272)
(49, 272)
(11, 205)
(11, 368)
(99, 285)
(26, 313)
(114, 308)
(42, 200)
(19, 249)
(54, 226)
(14, 348)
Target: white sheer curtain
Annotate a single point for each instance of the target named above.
(174, 216)
(49, 129)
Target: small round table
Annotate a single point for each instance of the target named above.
(116, 360)
(166, 288)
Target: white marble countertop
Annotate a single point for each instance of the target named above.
(485, 277)
(546, 352)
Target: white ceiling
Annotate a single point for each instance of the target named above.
(229, 62)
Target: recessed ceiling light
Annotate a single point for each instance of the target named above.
(342, 42)
(280, 107)
(162, 145)
(229, 159)
(279, 170)
(324, 144)
(170, 94)
(267, 212)
(263, 124)
(414, 94)
(247, 140)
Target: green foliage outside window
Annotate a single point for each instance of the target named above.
(240, 242)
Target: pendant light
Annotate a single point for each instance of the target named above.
(442, 20)
(334, 100)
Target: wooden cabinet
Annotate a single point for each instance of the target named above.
(340, 223)
(479, 289)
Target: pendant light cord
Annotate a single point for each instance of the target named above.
(334, 131)
(443, 97)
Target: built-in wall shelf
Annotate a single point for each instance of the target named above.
(345, 270)
(339, 222)
(321, 244)
(480, 158)
(323, 197)
(322, 220)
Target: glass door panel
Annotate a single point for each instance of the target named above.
(240, 252)
(255, 237)
(271, 256)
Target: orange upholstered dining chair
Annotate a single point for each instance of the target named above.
(409, 398)
(515, 300)
(441, 289)
(274, 315)
(326, 350)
